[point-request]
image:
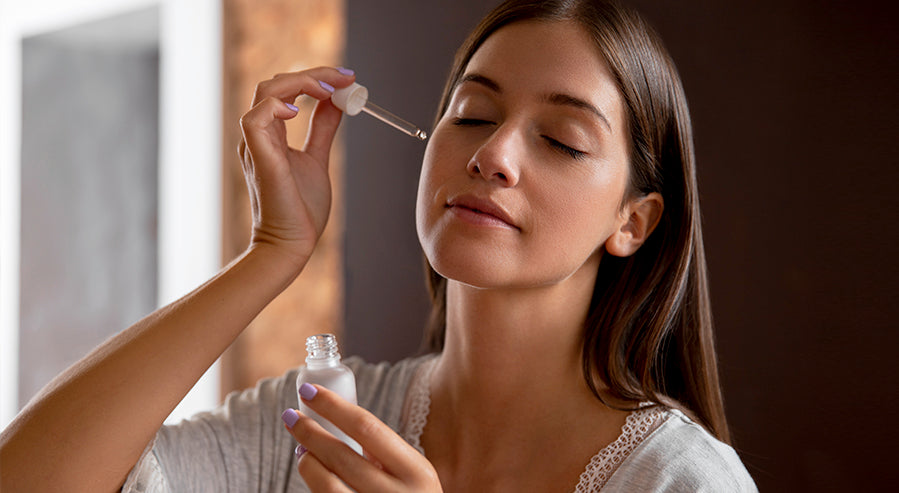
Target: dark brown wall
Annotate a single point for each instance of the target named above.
(793, 104)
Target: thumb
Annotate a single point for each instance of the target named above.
(322, 128)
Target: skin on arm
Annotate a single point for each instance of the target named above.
(86, 429)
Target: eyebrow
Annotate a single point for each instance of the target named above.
(566, 100)
(556, 98)
(484, 81)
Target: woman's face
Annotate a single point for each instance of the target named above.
(524, 175)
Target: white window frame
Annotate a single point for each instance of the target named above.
(189, 159)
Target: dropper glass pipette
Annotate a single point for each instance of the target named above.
(354, 98)
(394, 121)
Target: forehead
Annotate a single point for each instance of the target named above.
(547, 57)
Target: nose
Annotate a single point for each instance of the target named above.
(497, 160)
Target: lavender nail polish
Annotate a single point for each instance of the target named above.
(292, 107)
(326, 86)
(307, 391)
(290, 417)
(345, 71)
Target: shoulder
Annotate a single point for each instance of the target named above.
(681, 455)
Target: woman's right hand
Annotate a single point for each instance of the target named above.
(290, 189)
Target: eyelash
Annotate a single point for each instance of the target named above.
(555, 144)
(470, 122)
(574, 153)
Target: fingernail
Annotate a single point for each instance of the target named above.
(290, 417)
(307, 391)
(326, 86)
(292, 107)
(345, 71)
(300, 450)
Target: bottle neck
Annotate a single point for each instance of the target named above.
(322, 351)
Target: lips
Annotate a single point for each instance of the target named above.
(489, 210)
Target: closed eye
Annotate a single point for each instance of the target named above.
(555, 144)
(574, 153)
(470, 122)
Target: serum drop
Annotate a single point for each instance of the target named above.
(323, 367)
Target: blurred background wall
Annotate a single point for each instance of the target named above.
(89, 187)
(110, 176)
(792, 104)
(261, 38)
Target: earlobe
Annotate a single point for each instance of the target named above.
(641, 217)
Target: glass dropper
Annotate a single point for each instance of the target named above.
(354, 98)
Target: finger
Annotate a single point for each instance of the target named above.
(395, 455)
(322, 128)
(317, 476)
(335, 455)
(267, 111)
(287, 87)
(257, 128)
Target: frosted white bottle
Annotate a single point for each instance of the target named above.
(323, 367)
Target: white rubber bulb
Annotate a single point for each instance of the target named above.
(350, 99)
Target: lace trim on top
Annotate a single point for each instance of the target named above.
(146, 476)
(418, 405)
(637, 426)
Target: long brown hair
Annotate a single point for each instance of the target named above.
(648, 334)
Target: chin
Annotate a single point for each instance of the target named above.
(489, 272)
(476, 270)
(495, 268)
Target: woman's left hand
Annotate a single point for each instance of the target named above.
(327, 464)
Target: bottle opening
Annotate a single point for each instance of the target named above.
(321, 347)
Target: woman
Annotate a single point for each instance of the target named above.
(558, 211)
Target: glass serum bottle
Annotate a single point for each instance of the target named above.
(323, 367)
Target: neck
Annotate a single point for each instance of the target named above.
(509, 386)
(513, 352)
(496, 337)
(495, 340)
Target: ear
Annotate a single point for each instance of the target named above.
(639, 218)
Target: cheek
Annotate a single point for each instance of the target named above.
(578, 216)
(422, 200)
(429, 182)
(442, 160)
